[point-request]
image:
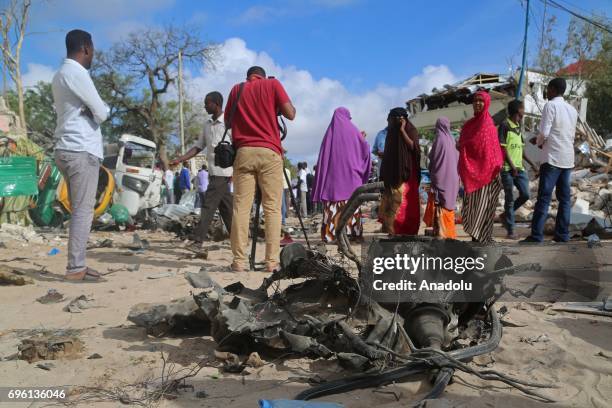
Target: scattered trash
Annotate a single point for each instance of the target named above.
(52, 296)
(139, 244)
(133, 267)
(9, 276)
(254, 360)
(603, 308)
(21, 233)
(94, 356)
(593, 241)
(104, 243)
(542, 338)
(161, 275)
(53, 251)
(231, 362)
(78, 304)
(119, 213)
(49, 347)
(45, 366)
(105, 219)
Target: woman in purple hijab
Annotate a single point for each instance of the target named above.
(343, 165)
(443, 160)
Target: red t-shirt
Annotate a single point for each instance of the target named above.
(255, 123)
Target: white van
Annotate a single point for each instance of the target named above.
(137, 182)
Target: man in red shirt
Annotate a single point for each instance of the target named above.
(258, 162)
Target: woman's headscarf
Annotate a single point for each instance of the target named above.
(443, 159)
(480, 155)
(344, 160)
(399, 161)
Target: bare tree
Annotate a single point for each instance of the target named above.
(13, 23)
(146, 60)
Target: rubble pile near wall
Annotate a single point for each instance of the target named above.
(591, 199)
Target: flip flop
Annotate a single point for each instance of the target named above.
(87, 274)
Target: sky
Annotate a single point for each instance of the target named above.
(366, 55)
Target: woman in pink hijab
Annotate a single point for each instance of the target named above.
(480, 161)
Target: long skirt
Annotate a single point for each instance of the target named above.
(400, 209)
(478, 211)
(331, 216)
(442, 220)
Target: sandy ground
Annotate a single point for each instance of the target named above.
(577, 358)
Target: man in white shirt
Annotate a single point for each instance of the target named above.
(169, 182)
(556, 139)
(303, 188)
(78, 148)
(202, 183)
(218, 193)
(286, 176)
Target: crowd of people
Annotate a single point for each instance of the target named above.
(484, 160)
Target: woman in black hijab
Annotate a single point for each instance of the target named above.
(400, 172)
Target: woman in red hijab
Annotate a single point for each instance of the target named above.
(480, 161)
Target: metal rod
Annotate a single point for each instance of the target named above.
(294, 204)
(522, 76)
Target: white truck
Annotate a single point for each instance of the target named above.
(137, 181)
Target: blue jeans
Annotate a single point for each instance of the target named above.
(551, 177)
(521, 181)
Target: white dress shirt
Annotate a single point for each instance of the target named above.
(169, 178)
(557, 133)
(73, 91)
(209, 139)
(302, 176)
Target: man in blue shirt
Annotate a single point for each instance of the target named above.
(378, 149)
(185, 178)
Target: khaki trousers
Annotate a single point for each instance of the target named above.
(257, 166)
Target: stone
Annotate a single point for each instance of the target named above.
(159, 319)
(10, 276)
(49, 347)
(523, 214)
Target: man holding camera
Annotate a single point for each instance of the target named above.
(258, 161)
(217, 194)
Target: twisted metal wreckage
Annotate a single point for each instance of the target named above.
(327, 315)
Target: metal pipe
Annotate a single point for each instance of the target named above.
(412, 368)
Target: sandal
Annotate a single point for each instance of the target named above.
(87, 274)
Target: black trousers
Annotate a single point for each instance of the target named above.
(217, 196)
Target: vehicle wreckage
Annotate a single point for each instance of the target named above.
(328, 315)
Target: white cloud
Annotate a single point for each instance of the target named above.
(315, 99)
(36, 73)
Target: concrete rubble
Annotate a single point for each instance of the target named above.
(591, 200)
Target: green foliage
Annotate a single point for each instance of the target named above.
(599, 91)
(39, 112)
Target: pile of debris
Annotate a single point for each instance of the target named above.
(326, 315)
(591, 200)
